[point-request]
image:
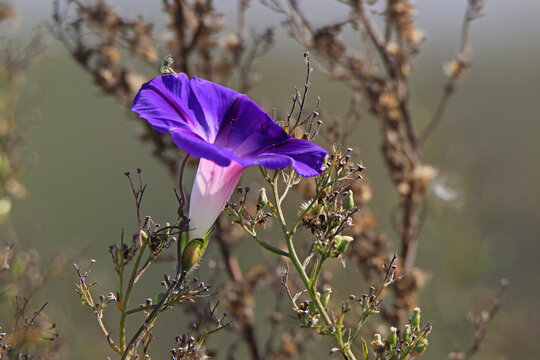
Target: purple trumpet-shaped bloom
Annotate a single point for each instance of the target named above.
(228, 131)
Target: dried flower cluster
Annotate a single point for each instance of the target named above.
(188, 348)
(25, 330)
(14, 60)
(29, 333)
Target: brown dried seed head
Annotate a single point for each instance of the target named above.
(403, 188)
(389, 100)
(232, 41)
(415, 36)
(425, 175)
(392, 48)
(110, 53)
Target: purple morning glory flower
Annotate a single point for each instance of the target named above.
(227, 131)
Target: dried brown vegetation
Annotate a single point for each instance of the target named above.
(378, 74)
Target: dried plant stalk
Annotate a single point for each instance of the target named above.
(378, 73)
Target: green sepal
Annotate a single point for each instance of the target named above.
(183, 241)
(365, 351)
(159, 297)
(192, 254)
(205, 239)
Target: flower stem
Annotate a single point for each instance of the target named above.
(263, 243)
(317, 273)
(336, 334)
(125, 300)
(152, 316)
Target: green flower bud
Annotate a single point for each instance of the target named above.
(325, 297)
(159, 297)
(263, 200)
(421, 345)
(392, 336)
(342, 242)
(349, 200)
(191, 254)
(406, 333)
(415, 319)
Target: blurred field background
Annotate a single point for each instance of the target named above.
(487, 149)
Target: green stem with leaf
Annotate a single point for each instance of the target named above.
(310, 285)
(123, 302)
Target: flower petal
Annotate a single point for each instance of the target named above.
(247, 128)
(174, 101)
(194, 145)
(307, 157)
(215, 101)
(210, 121)
(212, 189)
(258, 140)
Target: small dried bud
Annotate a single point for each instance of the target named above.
(406, 69)
(377, 344)
(110, 53)
(232, 41)
(455, 68)
(403, 188)
(415, 36)
(392, 48)
(392, 336)
(389, 100)
(425, 174)
(394, 114)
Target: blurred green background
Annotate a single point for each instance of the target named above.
(487, 149)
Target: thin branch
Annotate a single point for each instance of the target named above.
(456, 68)
(481, 325)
